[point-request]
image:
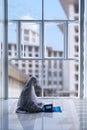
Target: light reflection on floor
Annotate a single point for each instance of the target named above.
(70, 118)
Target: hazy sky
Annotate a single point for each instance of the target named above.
(33, 8)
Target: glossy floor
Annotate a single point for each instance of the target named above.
(73, 116)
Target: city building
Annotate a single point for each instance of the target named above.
(52, 76)
(71, 8)
(59, 72)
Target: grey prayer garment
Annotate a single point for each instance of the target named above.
(28, 101)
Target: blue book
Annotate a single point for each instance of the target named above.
(51, 108)
(56, 109)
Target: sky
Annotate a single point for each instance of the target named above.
(33, 8)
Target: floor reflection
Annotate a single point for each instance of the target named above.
(71, 118)
(33, 121)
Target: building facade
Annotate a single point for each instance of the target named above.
(71, 8)
(51, 74)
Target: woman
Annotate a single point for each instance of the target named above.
(28, 101)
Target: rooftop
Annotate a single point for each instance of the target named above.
(65, 4)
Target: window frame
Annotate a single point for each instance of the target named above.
(42, 58)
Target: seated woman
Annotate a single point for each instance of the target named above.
(28, 101)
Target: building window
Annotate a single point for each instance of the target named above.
(15, 47)
(24, 54)
(9, 53)
(9, 46)
(49, 82)
(76, 67)
(55, 53)
(23, 65)
(30, 65)
(60, 74)
(60, 65)
(43, 66)
(49, 73)
(30, 61)
(49, 64)
(76, 18)
(60, 54)
(30, 55)
(55, 74)
(55, 82)
(26, 38)
(30, 71)
(16, 64)
(30, 75)
(30, 48)
(15, 53)
(25, 47)
(55, 64)
(33, 36)
(76, 48)
(36, 49)
(49, 53)
(76, 29)
(36, 55)
(36, 61)
(36, 66)
(43, 76)
(76, 39)
(43, 82)
(76, 87)
(36, 71)
(60, 83)
(76, 8)
(26, 31)
(37, 76)
(76, 77)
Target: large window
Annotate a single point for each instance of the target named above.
(44, 42)
(1, 51)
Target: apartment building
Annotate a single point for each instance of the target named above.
(51, 74)
(71, 8)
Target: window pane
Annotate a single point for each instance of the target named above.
(1, 57)
(61, 9)
(30, 44)
(20, 9)
(60, 78)
(18, 73)
(12, 40)
(73, 40)
(1, 10)
(54, 40)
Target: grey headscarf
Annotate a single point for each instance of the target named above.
(28, 101)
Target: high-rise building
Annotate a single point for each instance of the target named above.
(51, 74)
(71, 8)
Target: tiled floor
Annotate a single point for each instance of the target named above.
(81, 109)
(73, 116)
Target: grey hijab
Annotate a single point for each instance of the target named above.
(28, 101)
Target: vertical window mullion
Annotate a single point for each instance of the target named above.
(42, 42)
(81, 60)
(5, 49)
(66, 40)
(18, 38)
